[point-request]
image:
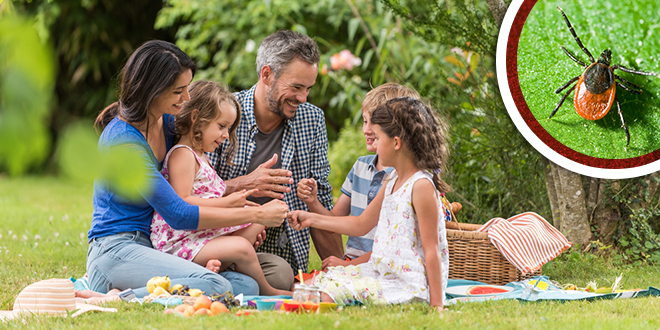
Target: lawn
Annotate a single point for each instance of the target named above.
(43, 225)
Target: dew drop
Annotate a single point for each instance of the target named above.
(638, 60)
(639, 43)
(641, 21)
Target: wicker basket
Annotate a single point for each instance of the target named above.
(472, 256)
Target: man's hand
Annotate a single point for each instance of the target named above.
(269, 182)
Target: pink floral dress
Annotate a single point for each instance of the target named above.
(396, 271)
(187, 243)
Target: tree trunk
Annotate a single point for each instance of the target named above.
(606, 213)
(570, 210)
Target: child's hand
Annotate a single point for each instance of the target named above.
(333, 261)
(239, 198)
(307, 190)
(299, 220)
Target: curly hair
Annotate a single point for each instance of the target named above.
(379, 95)
(207, 97)
(422, 132)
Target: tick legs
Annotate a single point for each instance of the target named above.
(624, 69)
(565, 95)
(577, 39)
(573, 57)
(625, 83)
(623, 122)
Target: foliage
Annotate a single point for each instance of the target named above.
(26, 84)
(494, 171)
(343, 153)
(464, 24)
(92, 39)
(224, 43)
(51, 212)
(637, 241)
(627, 29)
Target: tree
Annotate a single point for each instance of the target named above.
(583, 208)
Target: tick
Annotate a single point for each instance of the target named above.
(595, 91)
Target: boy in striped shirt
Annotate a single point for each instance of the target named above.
(362, 183)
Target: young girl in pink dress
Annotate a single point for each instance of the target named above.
(209, 118)
(410, 258)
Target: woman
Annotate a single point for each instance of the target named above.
(154, 85)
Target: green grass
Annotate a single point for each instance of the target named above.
(60, 211)
(629, 31)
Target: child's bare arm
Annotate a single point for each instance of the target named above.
(425, 205)
(346, 225)
(183, 167)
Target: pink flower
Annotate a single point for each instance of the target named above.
(344, 59)
(185, 253)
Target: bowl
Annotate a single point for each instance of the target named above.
(326, 307)
(267, 304)
(292, 306)
(310, 307)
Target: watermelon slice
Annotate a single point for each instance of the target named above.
(485, 289)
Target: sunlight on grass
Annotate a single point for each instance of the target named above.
(43, 225)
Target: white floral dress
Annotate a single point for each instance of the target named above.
(396, 271)
(187, 243)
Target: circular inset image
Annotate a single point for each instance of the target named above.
(581, 82)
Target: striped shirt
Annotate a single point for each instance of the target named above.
(304, 153)
(362, 185)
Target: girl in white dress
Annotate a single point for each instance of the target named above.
(410, 259)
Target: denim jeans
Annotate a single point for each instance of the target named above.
(128, 260)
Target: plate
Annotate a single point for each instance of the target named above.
(462, 290)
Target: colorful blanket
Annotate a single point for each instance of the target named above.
(523, 291)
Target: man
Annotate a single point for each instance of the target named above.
(282, 139)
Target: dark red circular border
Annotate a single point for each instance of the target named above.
(533, 124)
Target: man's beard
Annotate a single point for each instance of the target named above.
(277, 107)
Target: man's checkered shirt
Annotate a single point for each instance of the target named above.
(304, 153)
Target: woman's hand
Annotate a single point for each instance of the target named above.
(333, 261)
(299, 220)
(273, 213)
(239, 198)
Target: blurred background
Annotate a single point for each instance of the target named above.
(59, 62)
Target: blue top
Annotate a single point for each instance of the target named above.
(362, 185)
(115, 214)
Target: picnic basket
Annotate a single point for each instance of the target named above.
(472, 256)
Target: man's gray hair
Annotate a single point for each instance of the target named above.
(282, 47)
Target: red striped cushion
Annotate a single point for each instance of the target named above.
(526, 240)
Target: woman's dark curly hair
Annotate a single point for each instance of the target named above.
(206, 97)
(420, 129)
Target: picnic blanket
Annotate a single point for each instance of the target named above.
(552, 293)
(526, 240)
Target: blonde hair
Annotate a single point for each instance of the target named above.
(206, 97)
(379, 95)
